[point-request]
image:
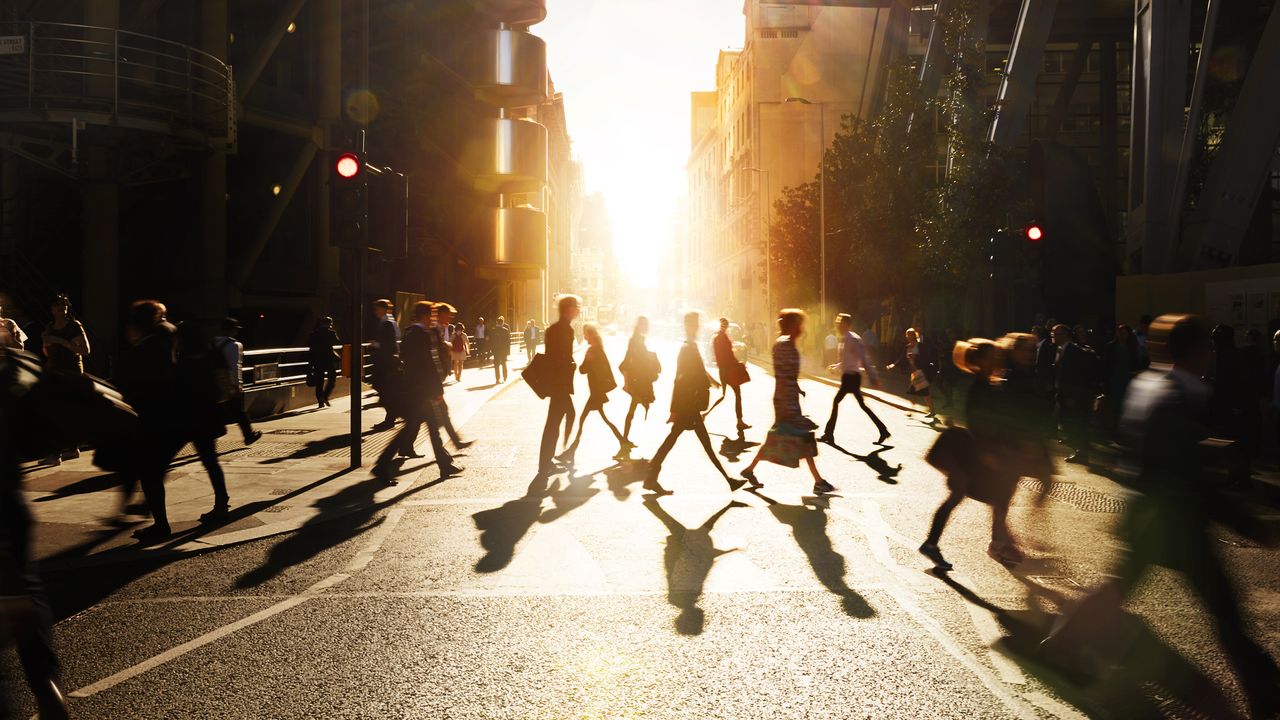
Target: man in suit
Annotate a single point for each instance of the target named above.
(422, 388)
(530, 341)
(559, 359)
(385, 353)
(689, 401)
(1168, 523)
(1074, 386)
(500, 346)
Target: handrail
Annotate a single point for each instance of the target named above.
(132, 79)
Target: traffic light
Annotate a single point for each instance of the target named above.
(1034, 232)
(348, 201)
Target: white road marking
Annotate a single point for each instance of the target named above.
(989, 632)
(357, 564)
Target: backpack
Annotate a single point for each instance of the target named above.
(459, 342)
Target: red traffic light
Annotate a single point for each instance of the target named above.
(348, 165)
(1034, 232)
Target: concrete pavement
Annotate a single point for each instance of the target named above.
(497, 595)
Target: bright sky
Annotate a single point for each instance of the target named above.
(626, 68)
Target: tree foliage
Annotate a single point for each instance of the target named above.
(896, 237)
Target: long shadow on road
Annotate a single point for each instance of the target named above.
(808, 523)
(688, 557)
(1135, 674)
(885, 472)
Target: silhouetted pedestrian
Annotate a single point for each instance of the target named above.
(640, 370)
(65, 347)
(531, 335)
(853, 364)
(914, 362)
(500, 347)
(423, 390)
(385, 354)
(560, 367)
(790, 440)
(147, 375)
(233, 356)
(689, 400)
(481, 332)
(460, 349)
(1168, 523)
(323, 359)
(595, 365)
(199, 367)
(733, 373)
(443, 313)
(1075, 390)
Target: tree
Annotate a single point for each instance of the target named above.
(793, 247)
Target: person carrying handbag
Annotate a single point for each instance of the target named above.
(732, 372)
(917, 368)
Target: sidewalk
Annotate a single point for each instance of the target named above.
(297, 474)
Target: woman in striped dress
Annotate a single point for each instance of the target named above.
(791, 438)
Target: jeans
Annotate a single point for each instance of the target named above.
(560, 410)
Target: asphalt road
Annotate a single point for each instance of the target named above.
(494, 595)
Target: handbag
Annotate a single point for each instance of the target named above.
(918, 381)
(952, 452)
(311, 377)
(742, 375)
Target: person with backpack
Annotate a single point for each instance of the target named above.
(232, 388)
(201, 370)
(459, 349)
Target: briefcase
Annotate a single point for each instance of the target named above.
(538, 377)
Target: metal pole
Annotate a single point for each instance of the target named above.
(822, 214)
(768, 244)
(357, 281)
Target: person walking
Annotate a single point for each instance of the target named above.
(853, 364)
(600, 380)
(65, 347)
(559, 359)
(1169, 522)
(975, 458)
(915, 363)
(200, 368)
(147, 376)
(640, 370)
(233, 357)
(500, 347)
(530, 341)
(423, 392)
(1074, 386)
(790, 440)
(323, 359)
(481, 333)
(1121, 360)
(460, 349)
(11, 335)
(385, 354)
(689, 400)
(442, 349)
(24, 610)
(732, 372)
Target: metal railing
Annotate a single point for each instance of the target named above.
(131, 79)
(274, 367)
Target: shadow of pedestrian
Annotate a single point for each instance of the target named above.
(687, 558)
(808, 523)
(502, 528)
(478, 388)
(732, 448)
(1137, 674)
(105, 481)
(885, 472)
(618, 477)
(573, 495)
(315, 448)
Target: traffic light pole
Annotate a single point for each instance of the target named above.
(358, 270)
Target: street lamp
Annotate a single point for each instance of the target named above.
(768, 242)
(822, 205)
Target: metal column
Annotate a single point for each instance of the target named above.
(1026, 58)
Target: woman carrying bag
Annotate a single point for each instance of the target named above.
(595, 365)
(791, 438)
(913, 363)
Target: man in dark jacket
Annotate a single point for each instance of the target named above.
(422, 388)
(689, 401)
(500, 346)
(385, 353)
(147, 375)
(559, 358)
(1168, 524)
(1075, 389)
